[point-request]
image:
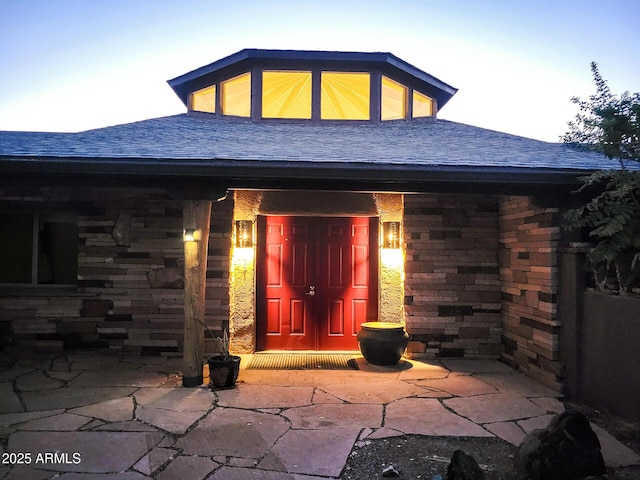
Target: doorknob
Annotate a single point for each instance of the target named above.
(312, 291)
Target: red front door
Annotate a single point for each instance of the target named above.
(317, 281)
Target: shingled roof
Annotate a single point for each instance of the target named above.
(182, 143)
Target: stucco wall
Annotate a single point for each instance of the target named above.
(452, 288)
(249, 204)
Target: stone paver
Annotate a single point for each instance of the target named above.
(312, 452)
(517, 384)
(9, 401)
(113, 476)
(176, 399)
(113, 377)
(378, 392)
(320, 396)
(461, 386)
(535, 423)
(234, 432)
(168, 420)
(508, 431)
(116, 410)
(192, 468)
(426, 416)
(37, 381)
(421, 370)
(27, 473)
(327, 416)
(13, 418)
(615, 454)
(265, 396)
(65, 422)
(498, 407)
(550, 404)
(234, 473)
(129, 418)
(476, 365)
(72, 397)
(153, 460)
(97, 452)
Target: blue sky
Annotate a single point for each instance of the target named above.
(72, 65)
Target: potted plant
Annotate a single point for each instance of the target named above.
(224, 367)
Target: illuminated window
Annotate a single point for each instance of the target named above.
(286, 94)
(394, 100)
(204, 100)
(345, 96)
(422, 105)
(236, 96)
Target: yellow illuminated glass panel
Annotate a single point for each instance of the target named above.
(204, 100)
(286, 94)
(422, 105)
(394, 100)
(345, 96)
(236, 96)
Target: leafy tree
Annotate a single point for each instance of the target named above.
(610, 125)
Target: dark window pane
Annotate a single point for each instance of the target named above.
(58, 250)
(16, 244)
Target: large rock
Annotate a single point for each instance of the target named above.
(568, 449)
(464, 467)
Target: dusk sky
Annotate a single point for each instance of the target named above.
(73, 65)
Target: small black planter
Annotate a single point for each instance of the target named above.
(382, 343)
(223, 371)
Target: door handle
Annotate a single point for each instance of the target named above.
(312, 291)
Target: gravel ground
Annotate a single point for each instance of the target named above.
(422, 457)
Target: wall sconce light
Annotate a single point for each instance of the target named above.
(244, 233)
(391, 235)
(189, 235)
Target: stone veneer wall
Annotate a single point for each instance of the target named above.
(129, 295)
(452, 285)
(529, 237)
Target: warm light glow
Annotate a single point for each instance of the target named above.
(286, 94)
(345, 96)
(391, 259)
(422, 105)
(236, 96)
(394, 100)
(244, 234)
(243, 258)
(189, 235)
(204, 100)
(391, 235)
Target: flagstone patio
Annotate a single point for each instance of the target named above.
(89, 416)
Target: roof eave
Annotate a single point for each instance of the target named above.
(281, 174)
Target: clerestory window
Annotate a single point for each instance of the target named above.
(286, 94)
(345, 96)
(236, 96)
(289, 94)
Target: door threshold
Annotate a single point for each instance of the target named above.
(308, 352)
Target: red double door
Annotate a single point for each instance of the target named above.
(317, 281)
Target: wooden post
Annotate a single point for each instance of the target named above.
(196, 216)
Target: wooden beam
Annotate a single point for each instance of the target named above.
(196, 215)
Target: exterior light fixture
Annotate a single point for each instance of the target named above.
(244, 234)
(189, 235)
(391, 235)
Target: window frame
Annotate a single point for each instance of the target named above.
(256, 94)
(36, 243)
